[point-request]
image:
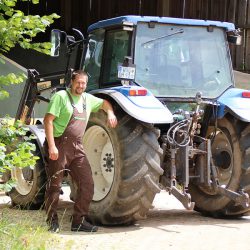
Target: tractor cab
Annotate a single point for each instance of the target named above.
(172, 57)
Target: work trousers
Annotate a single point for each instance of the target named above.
(73, 160)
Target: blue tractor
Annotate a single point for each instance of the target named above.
(182, 125)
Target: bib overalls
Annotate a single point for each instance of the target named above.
(72, 159)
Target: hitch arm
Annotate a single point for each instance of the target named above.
(240, 198)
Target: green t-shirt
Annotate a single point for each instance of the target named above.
(62, 109)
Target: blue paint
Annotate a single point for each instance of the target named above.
(233, 102)
(148, 101)
(169, 20)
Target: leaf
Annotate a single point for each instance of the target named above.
(3, 94)
(35, 1)
(9, 13)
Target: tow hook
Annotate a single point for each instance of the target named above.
(184, 198)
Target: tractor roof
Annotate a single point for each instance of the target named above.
(181, 21)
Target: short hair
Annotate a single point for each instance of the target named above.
(78, 72)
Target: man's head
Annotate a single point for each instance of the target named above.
(79, 82)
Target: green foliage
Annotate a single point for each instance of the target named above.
(15, 146)
(17, 28)
(9, 79)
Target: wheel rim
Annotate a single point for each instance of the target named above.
(100, 153)
(222, 154)
(23, 178)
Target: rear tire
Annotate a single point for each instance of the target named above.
(230, 152)
(125, 163)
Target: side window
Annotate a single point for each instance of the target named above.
(116, 47)
(93, 59)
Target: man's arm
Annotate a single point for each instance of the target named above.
(107, 107)
(48, 126)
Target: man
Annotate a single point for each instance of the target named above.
(65, 122)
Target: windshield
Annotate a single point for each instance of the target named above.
(178, 61)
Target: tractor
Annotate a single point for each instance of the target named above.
(183, 126)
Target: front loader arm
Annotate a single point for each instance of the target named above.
(36, 84)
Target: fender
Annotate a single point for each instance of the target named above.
(232, 101)
(144, 108)
(38, 131)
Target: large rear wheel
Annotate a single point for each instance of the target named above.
(230, 153)
(125, 164)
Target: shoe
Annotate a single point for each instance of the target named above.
(53, 227)
(84, 227)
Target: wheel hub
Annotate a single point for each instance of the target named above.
(24, 179)
(222, 154)
(108, 165)
(27, 174)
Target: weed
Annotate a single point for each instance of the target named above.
(26, 230)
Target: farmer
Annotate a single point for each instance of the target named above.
(65, 122)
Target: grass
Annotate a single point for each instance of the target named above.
(26, 230)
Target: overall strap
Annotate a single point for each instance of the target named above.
(72, 102)
(84, 102)
(71, 99)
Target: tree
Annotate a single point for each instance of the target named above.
(18, 28)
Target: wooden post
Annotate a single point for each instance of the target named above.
(242, 18)
(247, 40)
(163, 8)
(66, 14)
(231, 18)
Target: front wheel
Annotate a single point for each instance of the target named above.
(125, 164)
(230, 152)
(29, 190)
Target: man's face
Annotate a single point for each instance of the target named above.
(79, 84)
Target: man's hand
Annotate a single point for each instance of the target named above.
(107, 107)
(112, 121)
(53, 153)
(48, 126)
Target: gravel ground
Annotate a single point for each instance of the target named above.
(168, 226)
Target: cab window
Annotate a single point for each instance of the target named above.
(116, 48)
(93, 58)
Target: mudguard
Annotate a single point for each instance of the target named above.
(233, 102)
(145, 108)
(38, 131)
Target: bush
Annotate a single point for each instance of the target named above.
(16, 148)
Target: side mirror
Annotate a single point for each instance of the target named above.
(55, 39)
(234, 37)
(60, 38)
(237, 40)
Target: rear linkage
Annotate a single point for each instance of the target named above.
(179, 139)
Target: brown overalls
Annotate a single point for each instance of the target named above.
(72, 158)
